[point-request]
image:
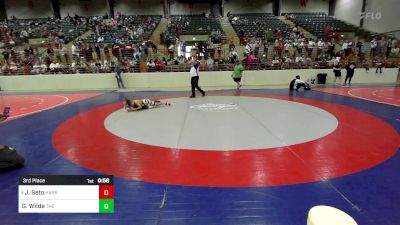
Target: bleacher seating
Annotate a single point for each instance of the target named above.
(37, 27)
(258, 22)
(24, 24)
(26, 59)
(122, 34)
(315, 23)
(195, 25)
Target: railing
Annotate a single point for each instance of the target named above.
(394, 33)
(19, 69)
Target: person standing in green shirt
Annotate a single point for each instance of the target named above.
(238, 73)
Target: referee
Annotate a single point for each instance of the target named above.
(194, 73)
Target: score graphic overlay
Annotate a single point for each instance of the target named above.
(66, 194)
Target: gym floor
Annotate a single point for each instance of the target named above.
(262, 156)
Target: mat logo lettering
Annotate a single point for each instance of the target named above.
(214, 107)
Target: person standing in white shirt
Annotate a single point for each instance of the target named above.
(194, 73)
(311, 45)
(247, 49)
(287, 46)
(210, 63)
(345, 47)
(74, 51)
(374, 44)
(53, 67)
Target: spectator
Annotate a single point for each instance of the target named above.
(75, 67)
(210, 63)
(350, 72)
(310, 46)
(13, 67)
(366, 64)
(286, 61)
(359, 47)
(151, 65)
(165, 62)
(171, 51)
(374, 45)
(276, 62)
(105, 66)
(278, 34)
(63, 54)
(251, 58)
(100, 39)
(266, 46)
(337, 71)
(378, 64)
(247, 49)
(159, 64)
(300, 59)
(93, 67)
(118, 76)
(268, 35)
(233, 56)
(36, 69)
(75, 53)
(232, 46)
(287, 46)
(137, 52)
(345, 48)
(53, 67)
(182, 59)
(380, 47)
(389, 47)
(98, 66)
(365, 50)
(395, 51)
(6, 55)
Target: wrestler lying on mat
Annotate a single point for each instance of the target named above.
(6, 114)
(134, 105)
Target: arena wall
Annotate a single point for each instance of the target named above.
(312, 6)
(240, 6)
(24, 9)
(83, 8)
(181, 79)
(179, 8)
(349, 11)
(383, 15)
(380, 16)
(139, 7)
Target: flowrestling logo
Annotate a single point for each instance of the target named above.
(371, 15)
(214, 107)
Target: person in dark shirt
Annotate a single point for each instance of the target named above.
(6, 55)
(337, 71)
(118, 76)
(350, 68)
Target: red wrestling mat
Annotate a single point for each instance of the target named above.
(360, 141)
(389, 95)
(22, 105)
